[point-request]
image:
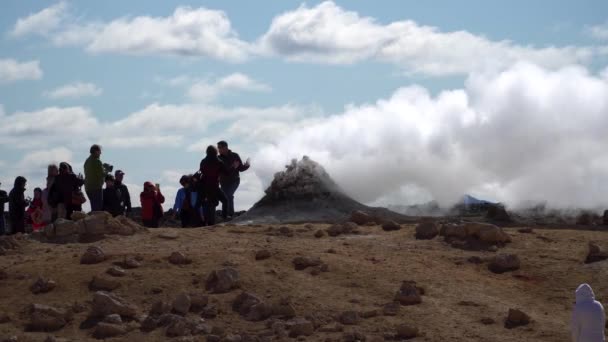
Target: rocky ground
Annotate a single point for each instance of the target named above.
(302, 282)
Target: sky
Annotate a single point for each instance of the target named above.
(401, 101)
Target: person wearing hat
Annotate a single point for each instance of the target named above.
(3, 201)
(125, 197)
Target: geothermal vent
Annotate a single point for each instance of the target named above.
(305, 192)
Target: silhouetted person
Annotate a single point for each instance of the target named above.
(125, 197)
(17, 205)
(112, 198)
(211, 169)
(231, 180)
(94, 177)
(588, 317)
(185, 203)
(151, 205)
(63, 192)
(3, 201)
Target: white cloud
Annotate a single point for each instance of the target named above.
(205, 91)
(147, 141)
(12, 70)
(599, 31)
(41, 22)
(187, 32)
(74, 90)
(527, 133)
(39, 159)
(327, 33)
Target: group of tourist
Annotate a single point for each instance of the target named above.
(215, 182)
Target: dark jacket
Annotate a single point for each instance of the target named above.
(3, 200)
(63, 188)
(16, 200)
(112, 202)
(212, 168)
(233, 173)
(125, 197)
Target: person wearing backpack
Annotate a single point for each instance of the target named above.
(151, 205)
(65, 191)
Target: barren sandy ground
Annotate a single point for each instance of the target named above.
(365, 272)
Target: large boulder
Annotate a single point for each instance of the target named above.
(488, 233)
(360, 218)
(409, 294)
(223, 280)
(181, 304)
(300, 327)
(43, 285)
(516, 318)
(498, 213)
(595, 254)
(406, 331)
(178, 258)
(94, 224)
(61, 228)
(251, 307)
(390, 226)
(78, 215)
(105, 330)
(101, 283)
(426, 230)
(105, 304)
(46, 318)
(93, 255)
(504, 263)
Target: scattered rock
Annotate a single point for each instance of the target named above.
(43, 285)
(181, 304)
(251, 307)
(3, 275)
(4, 318)
(526, 230)
(595, 254)
(46, 318)
(130, 263)
(391, 309)
(61, 228)
(93, 255)
(105, 304)
(391, 226)
(426, 230)
(369, 314)
(262, 254)
(319, 234)
(100, 283)
(113, 319)
(223, 280)
(78, 215)
(360, 217)
(504, 263)
(116, 271)
(300, 327)
(198, 301)
(487, 321)
(516, 318)
(284, 309)
(409, 294)
(178, 258)
(160, 308)
(210, 311)
(107, 330)
(286, 231)
(301, 263)
(406, 331)
(349, 318)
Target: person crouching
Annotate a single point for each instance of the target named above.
(151, 205)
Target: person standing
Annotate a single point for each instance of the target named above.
(125, 197)
(211, 169)
(64, 190)
(231, 180)
(17, 205)
(3, 201)
(588, 317)
(94, 178)
(35, 210)
(151, 205)
(112, 198)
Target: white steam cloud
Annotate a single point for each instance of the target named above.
(524, 134)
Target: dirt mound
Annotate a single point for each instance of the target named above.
(305, 192)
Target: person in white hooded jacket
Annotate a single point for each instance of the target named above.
(588, 317)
